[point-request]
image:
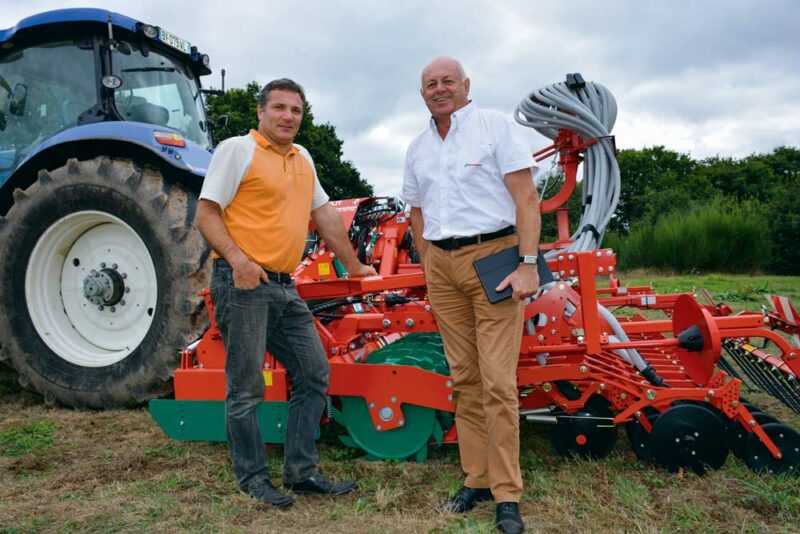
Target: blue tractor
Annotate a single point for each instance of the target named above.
(104, 143)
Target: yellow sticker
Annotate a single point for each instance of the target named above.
(268, 378)
(324, 269)
(748, 348)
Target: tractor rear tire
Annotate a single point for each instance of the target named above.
(99, 277)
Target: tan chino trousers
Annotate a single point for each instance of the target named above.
(481, 343)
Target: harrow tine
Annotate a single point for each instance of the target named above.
(726, 366)
(784, 388)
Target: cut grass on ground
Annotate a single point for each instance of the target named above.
(66, 470)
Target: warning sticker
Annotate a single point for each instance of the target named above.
(268, 378)
(324, 269)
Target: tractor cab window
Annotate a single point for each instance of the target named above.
(43, 90)
(158, 90)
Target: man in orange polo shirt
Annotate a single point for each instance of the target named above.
(258, 194)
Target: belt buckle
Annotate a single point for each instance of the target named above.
(453, 243)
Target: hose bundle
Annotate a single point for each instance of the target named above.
(590, 110)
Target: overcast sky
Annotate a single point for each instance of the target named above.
(707, 78)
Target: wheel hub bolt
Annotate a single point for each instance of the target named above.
(386, 413)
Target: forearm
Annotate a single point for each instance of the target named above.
(417, 226)
(331, 228)
(209, 223)
(529, 223)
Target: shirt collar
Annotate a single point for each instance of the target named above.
(459, 116)
(263, 142)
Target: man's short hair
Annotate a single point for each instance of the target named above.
(282, 84)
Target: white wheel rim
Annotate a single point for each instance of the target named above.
(73, 327)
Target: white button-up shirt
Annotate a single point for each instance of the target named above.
(458, 181)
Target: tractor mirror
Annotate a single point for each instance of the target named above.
(221, 122)
(17, 104)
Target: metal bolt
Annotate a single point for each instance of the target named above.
(449, 383)
(561, 287)
(124, 275)
(181, 423)
(393, 399)
(560, 257)
(427, 307)
(623, 396)
(401, 422)
(409, 322)
(711, 393)
(792, 355)
(114, 266)
(677, 440)
(602, 386)
(599, 254)
(334, 350)
(571, 256)
(694, 453)
(279, 425)
(697, 434)
(540, 337)
(752, 422)
(599, 269)
(563, 273)
(650, 394)
(122, 302)
(638, 414)
(386, 323)
(553, 331)
(572, 271)
(101, 308)
(378, 428)
(547, 387)
(102, 265)
(609, 253)
(113, 309)
(127, 290)
(735, 404)
(450, 397)
(583, 369)
(371, 405)
(386, 413)
(610, 269)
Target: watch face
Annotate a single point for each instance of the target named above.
(528, 260)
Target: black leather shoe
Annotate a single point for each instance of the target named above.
(264, 491)
(317, 483)
(465, 499)
(508, 519)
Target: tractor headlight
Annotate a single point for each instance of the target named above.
(149, 31)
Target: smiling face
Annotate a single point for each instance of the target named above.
(279, 119)
(445, 89)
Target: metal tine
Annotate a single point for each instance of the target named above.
(746, 365)
(726, 366)
(770, 380)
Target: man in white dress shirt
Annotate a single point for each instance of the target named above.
(468, 179)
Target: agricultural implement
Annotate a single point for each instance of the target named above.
(674, 384)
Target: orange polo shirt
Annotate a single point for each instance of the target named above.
(266, 198)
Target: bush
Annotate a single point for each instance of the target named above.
(724, 236)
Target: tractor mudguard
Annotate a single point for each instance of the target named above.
(190, 158)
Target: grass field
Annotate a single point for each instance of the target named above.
(65, 470)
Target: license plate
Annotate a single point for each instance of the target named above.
(173, 41)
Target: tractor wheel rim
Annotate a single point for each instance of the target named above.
(91, 288)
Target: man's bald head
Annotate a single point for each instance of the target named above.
(444, 62)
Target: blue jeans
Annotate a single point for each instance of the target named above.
(270, 317)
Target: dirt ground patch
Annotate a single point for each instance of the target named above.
(116, 471)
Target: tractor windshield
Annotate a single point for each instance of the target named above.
(43, 90)
(159, 90)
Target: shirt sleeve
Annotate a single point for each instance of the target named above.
(228, 166)
(410, 192)
(512, 151)
(320, 197)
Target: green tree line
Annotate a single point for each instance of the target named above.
(722, 214)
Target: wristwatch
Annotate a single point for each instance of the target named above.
(529, 260)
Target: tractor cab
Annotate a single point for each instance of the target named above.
(69, 68)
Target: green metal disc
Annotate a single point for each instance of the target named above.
(397, 444)
(422, 350)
